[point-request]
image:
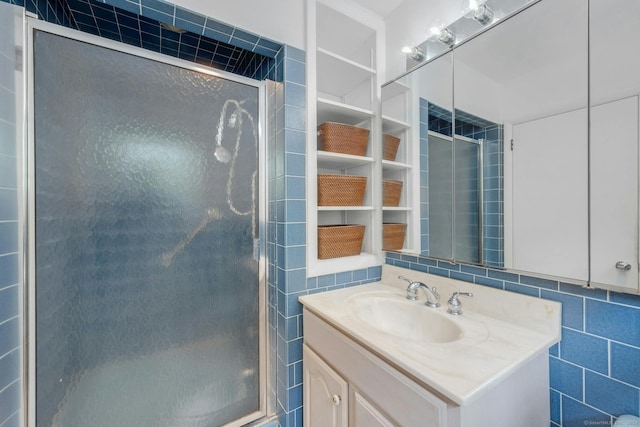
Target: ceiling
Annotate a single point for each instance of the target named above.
(379, 7)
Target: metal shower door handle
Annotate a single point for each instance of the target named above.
(624, 266)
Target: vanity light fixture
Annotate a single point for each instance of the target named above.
(414, 53)
(447, 37)
(483, 14)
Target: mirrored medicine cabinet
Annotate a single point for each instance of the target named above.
(524, 144)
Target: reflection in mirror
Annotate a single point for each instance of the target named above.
(432, 91)
(476, 16)
(543, 106)
(525, 207)
(536, 93)
(413, 106)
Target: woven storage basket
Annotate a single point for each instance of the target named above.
(391, 144)
(393, 236)
(391, 192)
(341, 190)
(341, 138)
(336, 241)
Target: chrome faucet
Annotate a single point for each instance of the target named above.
(433, 298)
(454, 304)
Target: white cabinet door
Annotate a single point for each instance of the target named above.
(614, 193)
(550, 195)
(326, 395)
(365, 414)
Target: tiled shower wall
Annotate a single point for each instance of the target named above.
(10, 286)
(595, 370)
(286, 246)
(206, 41)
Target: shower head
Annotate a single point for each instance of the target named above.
(222, 154)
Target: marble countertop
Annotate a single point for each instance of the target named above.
(501, 331)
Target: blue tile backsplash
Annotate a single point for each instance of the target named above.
(595, 369)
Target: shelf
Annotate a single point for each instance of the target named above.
(390, 125)
(345, 208)
(396, 209)
(333, 111)
(393, 89)
(394, 166)
(347, 263)
(339, 33)
(338, 75)
(344, 52)
(329, 160)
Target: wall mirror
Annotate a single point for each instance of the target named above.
(523, 181)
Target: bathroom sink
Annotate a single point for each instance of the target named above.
(393, 314)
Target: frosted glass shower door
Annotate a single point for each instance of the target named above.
(147, 290)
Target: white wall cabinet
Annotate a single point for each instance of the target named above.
(550, 212)
(614, 194)
(380, 395)
(345, 45)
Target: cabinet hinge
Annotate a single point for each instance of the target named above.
(512, 145)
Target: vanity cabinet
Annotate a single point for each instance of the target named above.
(378, 394)
(329, 402)
(325, 393)
(374, 392)
(344, 62)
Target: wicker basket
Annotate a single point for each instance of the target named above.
(393, 236)
(341, 138)
(391, 144)
(341, 190)
(335, 241)
(391, 192)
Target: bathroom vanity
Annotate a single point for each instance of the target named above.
(374, 358)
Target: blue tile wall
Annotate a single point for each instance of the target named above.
(206, 40)
(54, 11)
(493, 195)
(10, 286)
(595, 369)
(424, 175)
(287, 234)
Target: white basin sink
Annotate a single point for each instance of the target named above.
(393, 314)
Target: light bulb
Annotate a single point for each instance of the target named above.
(483, 14)
(414, 53)
(468, 6)
(447, 37)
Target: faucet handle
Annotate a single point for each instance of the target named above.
(405, 279)
(454, 304)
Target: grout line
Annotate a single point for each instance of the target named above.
(10, 384)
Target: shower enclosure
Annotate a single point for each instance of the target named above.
(455, 197)
(146, 270)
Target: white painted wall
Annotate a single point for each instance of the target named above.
(280, 20)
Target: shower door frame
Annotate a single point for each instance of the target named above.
(28, 204)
